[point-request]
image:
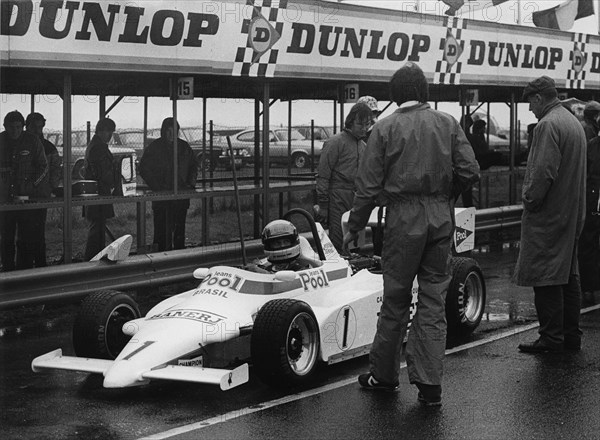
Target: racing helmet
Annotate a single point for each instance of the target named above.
(280, 241)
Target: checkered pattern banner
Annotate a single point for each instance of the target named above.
(260, 63)
(576, 74)
(448, 69)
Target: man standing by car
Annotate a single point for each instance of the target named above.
(35, 124)
(157, 169)
(553, 197)
(23, 166)
(417, 161)
(99, 167)
(337, 170)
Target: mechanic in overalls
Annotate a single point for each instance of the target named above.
(338, 166)
(418, 160)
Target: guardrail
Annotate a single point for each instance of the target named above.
(70, 282)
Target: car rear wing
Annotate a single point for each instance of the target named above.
(464, 230)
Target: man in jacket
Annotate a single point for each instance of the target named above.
(99, 167)
(157, 169)
(23, 167)
(35, 124)
(337, 170)
(553, 197)
(417, 161)
(590, 120)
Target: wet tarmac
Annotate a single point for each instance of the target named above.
(490, 389)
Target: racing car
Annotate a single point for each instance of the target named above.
(285, 323)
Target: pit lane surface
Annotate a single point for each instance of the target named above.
(491, 391)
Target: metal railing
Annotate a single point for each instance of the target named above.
(71, 282)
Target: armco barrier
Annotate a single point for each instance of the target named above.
(70, 282)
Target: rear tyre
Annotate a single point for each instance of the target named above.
(465, 301)
(285, 342)
(97, 330)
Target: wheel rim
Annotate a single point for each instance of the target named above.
(302, 343)
(473, 297)
(115, 339)
(300, 161)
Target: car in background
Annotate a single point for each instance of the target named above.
(79, 142)
(321, 133)
(210, 158)
(501, 143)
(298, 153)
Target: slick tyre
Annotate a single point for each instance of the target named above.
(465, 301)
(285, 342)
(97, 330)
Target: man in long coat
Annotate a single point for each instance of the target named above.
(553, 215)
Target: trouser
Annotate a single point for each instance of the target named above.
(340, 201)
(96, 239)
(169, 225)
(39, 257)
(417, 243)
(589, 253)
(24, 225)
(558, 310)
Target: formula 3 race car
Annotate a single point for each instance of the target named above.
(283, 323)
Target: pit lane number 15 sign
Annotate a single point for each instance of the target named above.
(185, 88)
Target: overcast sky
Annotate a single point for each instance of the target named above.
(129, 114)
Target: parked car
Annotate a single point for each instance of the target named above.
(79, 142)
(299, 155)
(321, 133)
(501, 143)
(209, 159)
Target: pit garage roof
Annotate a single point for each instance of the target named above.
(303, 49)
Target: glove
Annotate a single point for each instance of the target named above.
(321, 214)
(349, 237)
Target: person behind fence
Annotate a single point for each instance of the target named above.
(589, 241)
(590, 123)
(553, 197)
(338, 165)
(486, 157)
(99, 166)
(157, 169)
(419, 160)
(35, 124)
(23, 167)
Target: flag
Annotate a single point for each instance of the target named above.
(563, 16)
(455, 5)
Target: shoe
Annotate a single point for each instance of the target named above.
(368, 382)
(538, 346)
(426, 402)
(429, 395)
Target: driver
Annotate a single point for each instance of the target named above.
(282, 247)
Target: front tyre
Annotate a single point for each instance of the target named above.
(97, 330)
(465, 301)
(285, 342)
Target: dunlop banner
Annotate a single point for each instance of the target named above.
(288, 39)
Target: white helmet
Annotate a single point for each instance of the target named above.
(281, 242)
